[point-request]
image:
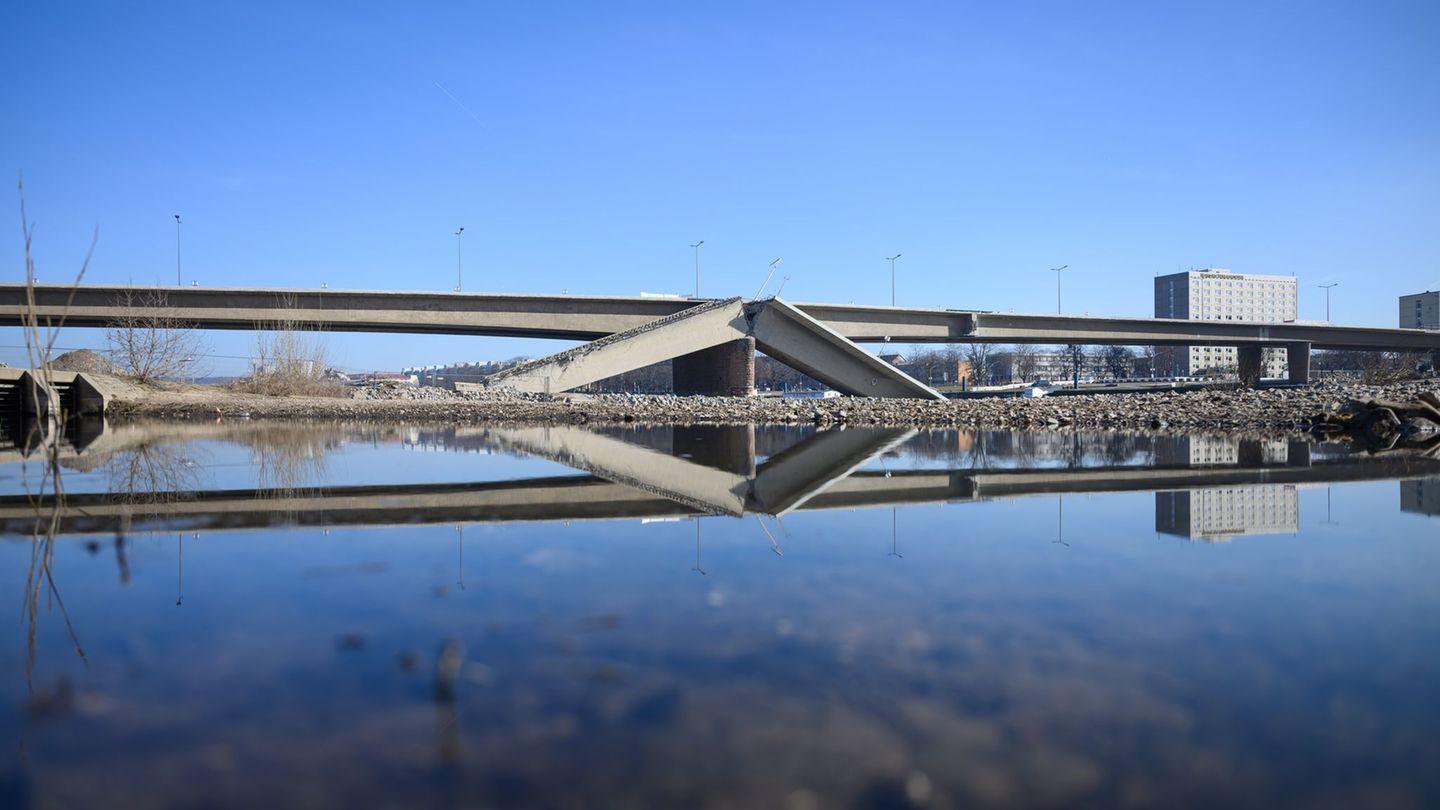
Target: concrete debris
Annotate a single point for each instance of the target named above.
(84, 360)
(410, 393)
(1286, 409)
(1383, 423)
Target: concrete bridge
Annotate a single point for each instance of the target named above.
(712, 340)
(620, 479)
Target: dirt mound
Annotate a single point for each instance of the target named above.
(86, 361)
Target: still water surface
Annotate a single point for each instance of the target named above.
(249, 615)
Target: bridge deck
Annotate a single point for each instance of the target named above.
(577, 317)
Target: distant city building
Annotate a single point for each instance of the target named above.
(1217, 515)
(1215, 294)
(1028, 366)
(367, 377)
(445, 376)
(932, 368)
(1420, 311)
(1421, 496)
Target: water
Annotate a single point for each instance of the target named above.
(249, 615)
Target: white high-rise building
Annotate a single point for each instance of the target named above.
(1215, 294)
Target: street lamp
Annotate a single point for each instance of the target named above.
(768, 276)
(1056, 271)
(892, 259)
(1326, 288)
(457, 259)
(177, 250)
(697, 266)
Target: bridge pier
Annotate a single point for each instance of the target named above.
(1297, 359)
(727, 370)
(731, 449)
(1251, 360)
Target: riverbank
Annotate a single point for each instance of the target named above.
(1280, 409)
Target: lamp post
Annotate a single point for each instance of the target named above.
(177, 250)
(696, 246)
(457, 259)
(768, 276)
(1056, 271)
(892, 259)
(1326, 288)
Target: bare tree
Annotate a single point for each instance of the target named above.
(1145, 359)
(978, 355)
(1118, 361)
(1075, 355)
(291, 358)
(152, 472)
(1386, 367)
(1026, 365)
(148, 342)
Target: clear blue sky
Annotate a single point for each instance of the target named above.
(587, 144)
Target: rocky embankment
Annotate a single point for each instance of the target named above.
(1285, 409)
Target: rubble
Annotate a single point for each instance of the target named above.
(1282, 409)
(1384, 423)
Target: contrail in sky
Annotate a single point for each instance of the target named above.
(459, 103)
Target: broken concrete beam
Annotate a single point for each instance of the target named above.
(807, 345)
(692, 330)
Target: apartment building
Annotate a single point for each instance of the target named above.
(1420, 311)
(1216, 294)
(1027, 366)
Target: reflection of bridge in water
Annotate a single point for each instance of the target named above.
(715, 472)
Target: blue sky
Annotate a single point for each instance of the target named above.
(584, 146)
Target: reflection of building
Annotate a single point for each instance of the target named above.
(1422, 496)
(1420, 311)
(1198, 451)
(1216, 515)
(1210, 451)
(1220, 295)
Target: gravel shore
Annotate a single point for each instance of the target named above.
(1278, 409)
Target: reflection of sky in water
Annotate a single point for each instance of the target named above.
(987, 666)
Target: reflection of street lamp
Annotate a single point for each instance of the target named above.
(1328, 521)
(180, 572)
(1060, 525)
(774, 544)
(894, 539)
(697, 549)
(460, 535)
